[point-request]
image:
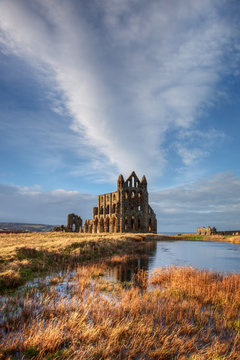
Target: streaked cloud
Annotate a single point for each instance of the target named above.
(126, 72)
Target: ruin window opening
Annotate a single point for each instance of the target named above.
(101, 210)
(107, 209)
(114, 208)
(139, 208)
(126, 224)
(139, 223)
(150, 225)
(132, 181)
(129, 183)
(133, 223)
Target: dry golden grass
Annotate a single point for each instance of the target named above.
(25, 256)
(181, 317)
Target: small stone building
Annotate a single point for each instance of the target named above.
(125, 210)
(206, 231)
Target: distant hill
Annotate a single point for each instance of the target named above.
(24, 227)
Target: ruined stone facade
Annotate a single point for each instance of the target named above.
(213, 231)
(206, 231)
(125, 210)
(74, 223)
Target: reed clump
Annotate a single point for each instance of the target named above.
(176, 316)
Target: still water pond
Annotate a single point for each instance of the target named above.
(215, 256)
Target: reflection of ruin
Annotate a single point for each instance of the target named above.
(126, 270)
(125, 210)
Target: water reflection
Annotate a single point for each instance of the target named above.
(124, 271)
(220, 257)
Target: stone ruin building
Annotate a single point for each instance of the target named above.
(74, 224)
(206, 231)
(125, 210)
(213, 231)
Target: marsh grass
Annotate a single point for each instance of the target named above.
(184, 314)
(25, 256)
(179, 313)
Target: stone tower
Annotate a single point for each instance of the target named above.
(125, 210)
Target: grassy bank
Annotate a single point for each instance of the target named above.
(185, 314)
(214, 238)
(25, 256)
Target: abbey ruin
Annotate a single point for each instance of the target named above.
(125, 210)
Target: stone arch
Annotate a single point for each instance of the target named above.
(113, 224)
(95, 225)
(107, 224)
(101, 225)
(115, 228)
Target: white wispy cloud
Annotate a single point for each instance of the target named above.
(125, 71)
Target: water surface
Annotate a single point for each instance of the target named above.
(213, 256)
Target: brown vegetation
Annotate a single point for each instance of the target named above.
(25, 256)
(184, 314)
(179, 313)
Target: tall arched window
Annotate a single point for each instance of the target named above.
(133, 223)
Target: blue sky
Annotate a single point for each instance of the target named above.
(91, 89)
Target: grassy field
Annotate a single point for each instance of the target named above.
(177, 313)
